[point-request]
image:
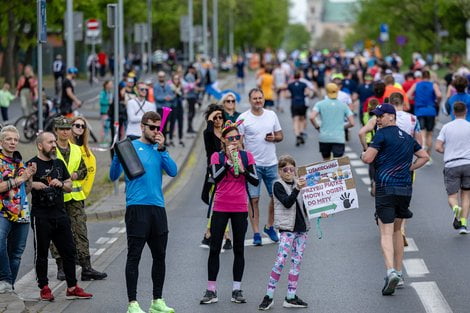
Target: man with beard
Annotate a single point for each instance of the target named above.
(49, 219)
(146, 220)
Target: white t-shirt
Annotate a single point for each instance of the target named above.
(280, 77)
(408, 123)
(135, 110)
(254, 129)
(455, 136)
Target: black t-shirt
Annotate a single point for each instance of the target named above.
(65, 97)
(48, 202)
(297, 91)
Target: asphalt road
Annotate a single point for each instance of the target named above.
(342, 272)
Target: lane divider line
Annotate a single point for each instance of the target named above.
(431, 297)
(415, 267)
(412, 247)
(102, 240)
(362, 170)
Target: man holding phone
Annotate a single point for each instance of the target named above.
(261, 130)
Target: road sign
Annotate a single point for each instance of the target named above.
(140, 33)
(93, 28)
(43, 29)
(384, 34)
(112, 7)
(184, 28)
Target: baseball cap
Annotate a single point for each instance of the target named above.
(62, 123)
(418, 74)
(332, 90)
(72, 70)
(384, 108)
(337, 76)
(368, 76)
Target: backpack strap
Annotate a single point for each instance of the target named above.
(244, 157)
(211, 200)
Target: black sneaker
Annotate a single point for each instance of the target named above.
(391, 282)
(209, 297)
(227, 245)
(294, 303)
(92, 274)
(456, 223)
(206, 242)
(298, 141)
(266, 304)
(60, 275)
(237, 296)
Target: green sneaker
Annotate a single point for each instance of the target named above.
(159, 306)
(134, 308)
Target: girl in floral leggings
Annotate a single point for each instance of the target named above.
(291, 218)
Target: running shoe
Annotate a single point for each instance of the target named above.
(77, 293)
(296, 302)
(46, 294)
(209, 297)
(237, 296)
(391, 282)
(457, 211)
(257, 239)
(134, 307)
(227, 244)
(271, 233)
(159, 306)
(401, 282)
(266, 304)
(463, 230)
(5, 287)
(206, 242)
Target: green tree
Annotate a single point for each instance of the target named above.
(296, 37)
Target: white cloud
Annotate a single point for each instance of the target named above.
(298, 11)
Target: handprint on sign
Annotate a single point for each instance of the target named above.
(345, 198)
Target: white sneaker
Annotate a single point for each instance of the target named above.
(401, 282)
(463, 230)
(5, 287)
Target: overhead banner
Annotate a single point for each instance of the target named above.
(330, 187)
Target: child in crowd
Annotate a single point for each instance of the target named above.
(291, 218)
(5, 99)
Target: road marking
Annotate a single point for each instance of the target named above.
(366, 180)
(356, 163)
(412, 247)
(352, 155)
(347, 149)
(122, 230)
(361, 171)
(113, 230)
(99, 251)
(415, 267)
(102, 240)
(122, 222)
(264, 240)
(111, 240)
(431, 297)
(92, 251)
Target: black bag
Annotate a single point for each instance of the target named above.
(129, 159)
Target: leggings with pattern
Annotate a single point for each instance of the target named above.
(293, 242)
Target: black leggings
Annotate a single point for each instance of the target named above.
(146, 225)
(219, 221)
(176, 116)
(191, 112)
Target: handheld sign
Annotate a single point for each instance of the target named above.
(330, 187)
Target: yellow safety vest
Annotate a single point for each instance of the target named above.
(75, 157)
(90, 162)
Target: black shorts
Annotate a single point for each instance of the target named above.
(392, 204)
(298, 110)
(144, 221)
(427, 123)
(456, 178)
(326, 148)
(268, 103)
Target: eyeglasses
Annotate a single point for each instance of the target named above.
(229, 101)
(288, 169)
(83, 126)
(143, 89)
(234, 138)
(218, 117)
(151, 127)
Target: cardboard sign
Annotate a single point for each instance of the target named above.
(330, 187)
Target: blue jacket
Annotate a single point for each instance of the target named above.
(146, 189)
(160, 92)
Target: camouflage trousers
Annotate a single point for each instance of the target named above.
(76, 212)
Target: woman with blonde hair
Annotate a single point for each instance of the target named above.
(229, 103)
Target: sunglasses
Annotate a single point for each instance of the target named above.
(288, 169)
(143, 89)
(218, 117)
(83, 126)
(230, 101)
(234, 138)
(151, 127)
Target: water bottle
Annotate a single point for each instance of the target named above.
(236, 166)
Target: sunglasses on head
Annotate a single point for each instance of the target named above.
(233, 138)
(151, 127)
(218, 117)
(79, 126)
(229, 101)
(288, 169)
